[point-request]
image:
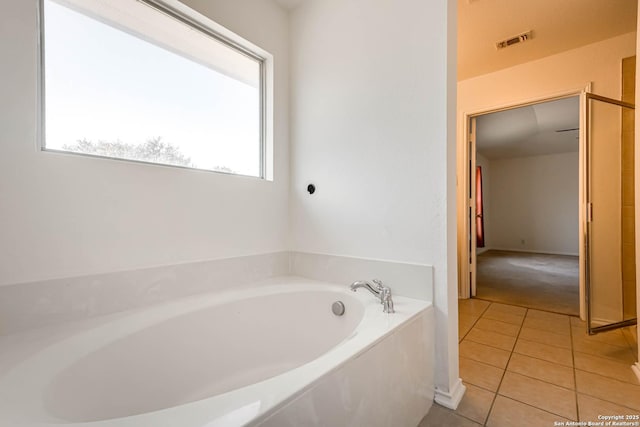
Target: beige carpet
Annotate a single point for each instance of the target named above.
(543, 282)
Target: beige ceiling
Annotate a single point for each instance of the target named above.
(557, 25)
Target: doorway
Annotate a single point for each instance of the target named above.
(606, 188)
(527, 206)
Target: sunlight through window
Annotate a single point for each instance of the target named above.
(127, 80)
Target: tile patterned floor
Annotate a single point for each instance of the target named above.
(529, 367)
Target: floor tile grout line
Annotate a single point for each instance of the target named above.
(542, 360)
(600, 374)
(495, 396)
(542, 381)
(469, 330)
(575, 379)
(461, 339)
(476, 299)
(606, 358)
(474, 323)
(484, 316)
(482, 363)
(465, 417)
(609, 401)
(513, 349)
(518, 337)
(608, 378)
(485, 309)
(488, 364)
(544, 343)
(515, 313)
(495, 332)
(573, 367)
(523, 354)
(482, 387)
(546, 330)
(504, 348)
(527, 308)
(489, 345)
(455, 413)
(600, 342)
(531, 406)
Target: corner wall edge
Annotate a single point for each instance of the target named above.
(451, 399)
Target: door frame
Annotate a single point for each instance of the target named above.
(466, 254)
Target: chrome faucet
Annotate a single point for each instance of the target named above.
(379, 290)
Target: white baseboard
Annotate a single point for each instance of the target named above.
(533, 251)
(452, 398)
(636, 369)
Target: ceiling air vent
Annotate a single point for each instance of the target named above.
(520, 38)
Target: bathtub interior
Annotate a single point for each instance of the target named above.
(201, 354)
(181, 362)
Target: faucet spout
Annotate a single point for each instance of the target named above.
(379, 290)
(373, 287)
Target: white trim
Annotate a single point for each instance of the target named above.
(576, 91)
(451, 399)
(636, 369)
(533, 251)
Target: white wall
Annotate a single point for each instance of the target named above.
(64, 215)
(535, 199)
(372, 127)
(598, 63)
(373, 122)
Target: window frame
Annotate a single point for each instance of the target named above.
(187, 16)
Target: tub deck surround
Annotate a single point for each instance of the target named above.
(24, 306)
(406, 279)
(389, 385)
(80, 373)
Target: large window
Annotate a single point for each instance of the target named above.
(131, 80)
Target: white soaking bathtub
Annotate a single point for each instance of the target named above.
(251, 356)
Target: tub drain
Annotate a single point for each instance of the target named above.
(337, 308)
